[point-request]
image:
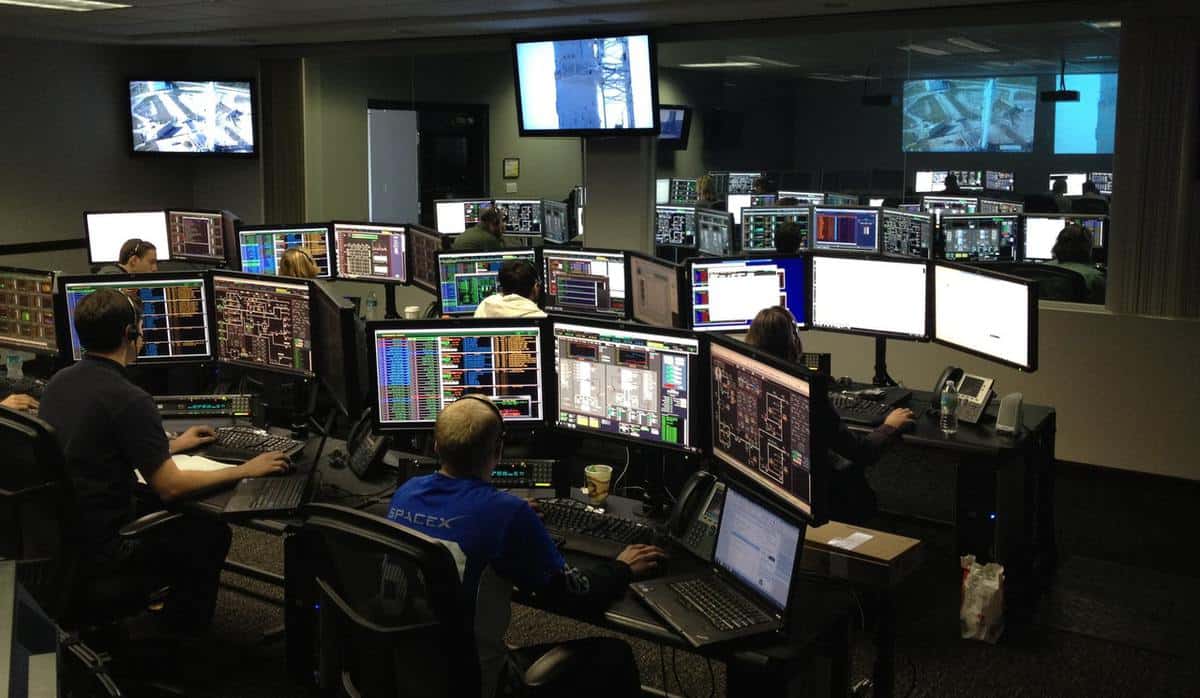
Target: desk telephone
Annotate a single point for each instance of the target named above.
(974, 392)
(365, 448)
(693, 522)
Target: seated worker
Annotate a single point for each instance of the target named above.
(518, 295)
(950, 185)
(1073, 250)
(706, 193)
(1092, 200)
(298, 262)
(20, 402)
(485, 236)
(1059, 190)
(787, 238)
(762, 185)
(108, 428)
(505, 543)
(136, 257)
(851, 498)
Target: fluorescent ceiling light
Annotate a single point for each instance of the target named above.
(1107, 24)
(927, 50)
(726, 64)
(827, 76)
(67, 5)
(764, 61)
(972, 45)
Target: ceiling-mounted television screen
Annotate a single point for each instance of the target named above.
(586, 86)
(675, 123)
(970, 115)
(192, 117)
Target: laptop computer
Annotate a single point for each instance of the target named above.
(277, 494)
(746, 591)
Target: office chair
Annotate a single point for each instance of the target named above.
(1087, 205)
(1041, 203)
(1054, 283)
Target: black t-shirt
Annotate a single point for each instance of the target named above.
(107, 427)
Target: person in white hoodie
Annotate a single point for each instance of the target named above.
(519, 291)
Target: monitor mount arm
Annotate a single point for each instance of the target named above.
(881, 378)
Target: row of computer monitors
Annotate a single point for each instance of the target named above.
(835, 292)
(962, 233)
(925, 181)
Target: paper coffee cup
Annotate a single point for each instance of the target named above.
(598, 479)
(412, 312)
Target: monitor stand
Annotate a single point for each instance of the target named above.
(881, 378)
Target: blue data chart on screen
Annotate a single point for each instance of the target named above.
(727, 294)
(845, 229)
(466, 279)
(174, 317)
(262, 250)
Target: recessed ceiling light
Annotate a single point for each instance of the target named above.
(726, 64)
(972, 45)
(67, 5)
(927, 50)
(1106, 24)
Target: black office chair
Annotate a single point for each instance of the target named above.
(1089, 205)
(1054, 283)
(1041, 203)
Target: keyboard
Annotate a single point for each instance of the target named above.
(722, 606)
(858, 411)
(265, 495)
(588, 531)
(240, 443)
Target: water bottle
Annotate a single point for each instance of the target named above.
(948, 402)
(372, 306)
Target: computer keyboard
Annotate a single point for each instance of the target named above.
(858, 411)
(723, 607)
(588, 531)
(266, 495)
(244, 443)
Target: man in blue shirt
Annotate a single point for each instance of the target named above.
(499, 541)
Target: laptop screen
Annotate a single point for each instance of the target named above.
(757, 547)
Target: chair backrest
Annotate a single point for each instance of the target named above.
(37, 512)
(1055, 283)
(390, 619)
(1041, 203)
(1085, 204)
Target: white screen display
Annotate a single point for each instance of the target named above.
(1075, 182)
(736, 203)
(450, 218)
(1001, 332)
(662, 191)
(1040, 235)
(108, 231)
(928, 182)
(869, 295)
(655, 291)
(757, 547)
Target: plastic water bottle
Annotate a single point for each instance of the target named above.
(948, 403)
(372, 306)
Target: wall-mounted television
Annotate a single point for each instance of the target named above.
(193, 117)
(970, 115)
(675, 126)
(586, 86)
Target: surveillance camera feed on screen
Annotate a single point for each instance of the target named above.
(191, 117)
(27, 310)
(624, 382)
(727, 294)
(597, 84)
(174, 316)
(1089, 125)
(419, 371)
(966, 115)
(762, 424)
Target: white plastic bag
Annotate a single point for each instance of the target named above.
(981, 612)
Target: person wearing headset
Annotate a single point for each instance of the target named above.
(136, 257)
(298, 262)
(851, 499)
(519, 291)
(502, 542)
(108, 428)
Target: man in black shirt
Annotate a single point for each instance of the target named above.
(108, 428)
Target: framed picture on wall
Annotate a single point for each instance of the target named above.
(512, 168)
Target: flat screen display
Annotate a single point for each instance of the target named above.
(969, 115)
(213, 117)
(589, 85)
(107, 232)
(1089, 125)
(1006, 333)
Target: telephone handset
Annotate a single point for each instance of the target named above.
(693, 522)
(974, 392)
(366, 449)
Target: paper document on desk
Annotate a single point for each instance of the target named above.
(186, 462)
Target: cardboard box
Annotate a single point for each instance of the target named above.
(860, 555)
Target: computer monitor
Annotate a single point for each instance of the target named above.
(522, 217)
(1074, 182)
(734, 203)
(1039, 236)
(714, 232)
(911, 208)
(806, 198)
(726, 294)
(874, 202)
(944, 205)
(263, 322)
(466, 278)
(675, 226)
(833, 199)
(27, 310)
(759, 548)
(662, 191)
(1096, 225)
(585, 281)
(420, 367)
(371, 251)
(1004, 328)
(106, 231)
(338, 354)
(175, 307)
(759, 226)
(684, 191)
(765, 425)
(980, 238)
(1103, 181)
(1000, 206)
(928, 181)
(262, 246)
(968, 179)
(904, 234)
(627, 382)
(653, 291)
(456, 215)
(197, 236)
(847, 229)
(675, 126)
(874, 296)
(423, 247)
(998, 181)
(741, 182)
(555, 226)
